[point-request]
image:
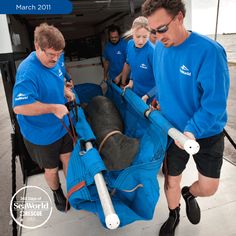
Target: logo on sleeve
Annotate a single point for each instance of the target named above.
(21, 96)
(184, 70)
(60, 73)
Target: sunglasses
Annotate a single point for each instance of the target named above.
(162, 29)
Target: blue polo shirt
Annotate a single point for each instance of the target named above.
(61, 62)
(35, 82)
(140, 62)
(115, 54)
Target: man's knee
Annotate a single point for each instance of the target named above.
(65, 157)
(51, 171)
(209, 189)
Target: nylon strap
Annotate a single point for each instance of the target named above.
(106, 138)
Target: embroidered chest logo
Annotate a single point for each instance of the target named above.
(143, 66)
(184, 70)
(118, 53)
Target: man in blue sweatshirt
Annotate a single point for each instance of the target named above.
(192, 80)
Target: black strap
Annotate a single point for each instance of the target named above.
(230, 139)
(72, 134)
(13, 179)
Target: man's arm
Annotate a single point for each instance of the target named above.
(105, 68)
(38, 108)
(213, 77)
(118, 78)
(125, 72)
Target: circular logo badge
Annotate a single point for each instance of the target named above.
(32, 205)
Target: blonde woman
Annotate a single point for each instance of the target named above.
(139, 61)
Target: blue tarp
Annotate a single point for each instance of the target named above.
(152, 133)
(87, 91)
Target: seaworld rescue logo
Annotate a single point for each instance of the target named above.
(33, 210)
(184, 70)
(143, 66)
(21, 96)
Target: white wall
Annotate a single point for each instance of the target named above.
(188, 17)
(5, 40)
(86, 71)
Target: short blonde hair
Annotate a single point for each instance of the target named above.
(48, 36)
(140, 22)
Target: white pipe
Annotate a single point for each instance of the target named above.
(190, 146)
(111, 218)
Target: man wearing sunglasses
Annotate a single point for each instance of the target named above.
(39, 102)
(192, 80)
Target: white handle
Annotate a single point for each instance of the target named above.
(111, 218)
(190, 146)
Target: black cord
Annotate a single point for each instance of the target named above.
(230, 139)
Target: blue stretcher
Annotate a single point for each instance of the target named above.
(134, 191)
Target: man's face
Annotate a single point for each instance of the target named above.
(48, 56)
(114, 37)
(167, 27)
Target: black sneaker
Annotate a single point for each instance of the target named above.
(60, 200)
(168, 228)
(192, 208)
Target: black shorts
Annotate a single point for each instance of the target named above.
(208, 160)
(48, 156)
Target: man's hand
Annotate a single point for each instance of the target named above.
(145, 98)
(129, 85)
(69, 94)
(187, 134)
(60, 110)
(155, 105)
(122, 86)
(70, 84)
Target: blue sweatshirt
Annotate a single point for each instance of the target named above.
(140, 62)
(193, 82)
(115, 54)
(35, 82)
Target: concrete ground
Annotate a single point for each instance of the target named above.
(230, 153)
(218, 212)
